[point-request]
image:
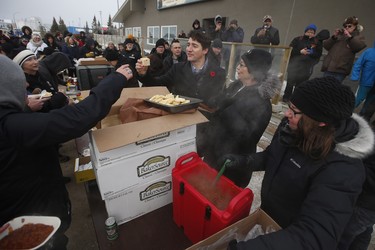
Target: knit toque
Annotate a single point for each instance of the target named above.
(324, 99)
(12, 84)
(21, 57)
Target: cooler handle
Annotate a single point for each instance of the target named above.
(239, 201)
(187, 159)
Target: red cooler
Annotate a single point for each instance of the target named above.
(202, 207)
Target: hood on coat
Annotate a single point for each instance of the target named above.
(363, 142)
(270, 86)
(12, 84)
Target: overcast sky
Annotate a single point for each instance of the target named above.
(73, 12)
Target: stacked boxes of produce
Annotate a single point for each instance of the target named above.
(133, 162)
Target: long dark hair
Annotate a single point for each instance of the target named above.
(315, 141)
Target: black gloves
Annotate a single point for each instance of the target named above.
(232, 245)
(237, 169)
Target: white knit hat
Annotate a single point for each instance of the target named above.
(21, 57)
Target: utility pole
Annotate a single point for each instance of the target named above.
(101, 23)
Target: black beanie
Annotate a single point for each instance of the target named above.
(257, 60)
(324, 99)
(128, 40)
(160, 42)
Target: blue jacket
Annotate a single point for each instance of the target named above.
(364, 68)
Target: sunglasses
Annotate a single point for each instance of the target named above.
(348, 26)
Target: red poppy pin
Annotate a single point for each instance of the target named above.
(212, 73)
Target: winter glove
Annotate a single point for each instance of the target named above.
(232, 245)
(237, 168)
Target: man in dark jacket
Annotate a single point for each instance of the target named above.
(177, 55)
(342, 47)
(197, 77)
(31, 180)
(267, 34)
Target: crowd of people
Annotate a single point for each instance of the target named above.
(319, 168)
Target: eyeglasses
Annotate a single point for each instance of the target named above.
(348, 26)
(294, 112)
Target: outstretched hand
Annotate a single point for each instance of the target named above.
(125, 71)
(142, 70)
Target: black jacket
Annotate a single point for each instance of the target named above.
(180, 80)
(168, 61)
(271, 37)
(300, 66)
(311, 200)
(30, 173)
(237, 126)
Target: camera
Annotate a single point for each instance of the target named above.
(341, 31)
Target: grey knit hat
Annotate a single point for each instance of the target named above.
(324, 99)
(21, 57)
(12, 84)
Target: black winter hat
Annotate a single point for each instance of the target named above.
(128, 40)
(324, 99)
(160, 42)
(217, 43)
(257, 60)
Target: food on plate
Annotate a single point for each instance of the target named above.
(28, 236)
(145, 61)
(169, 100)
(47, 94)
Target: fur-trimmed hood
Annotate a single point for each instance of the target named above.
(363, 142)
(270, 86)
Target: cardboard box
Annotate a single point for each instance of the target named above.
(83, 175)
(93, 61)
(140, 168)
(112, 117)
(139, 200)
(242, 227)
(114, 143)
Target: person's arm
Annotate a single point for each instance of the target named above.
(148, 80)
(274, 37)
(356, 43)
(42, 129)
(357, 68)
(255, 39)
(238, 35)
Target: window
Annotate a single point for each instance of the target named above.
(137, 32)
(128, 31)
(169, 32)
(153, 34)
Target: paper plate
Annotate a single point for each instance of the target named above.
(22, 220)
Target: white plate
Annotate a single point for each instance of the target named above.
(22, 220)
(34, 96)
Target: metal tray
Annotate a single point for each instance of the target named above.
(194, 103)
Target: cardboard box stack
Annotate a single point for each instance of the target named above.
(133, 162)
